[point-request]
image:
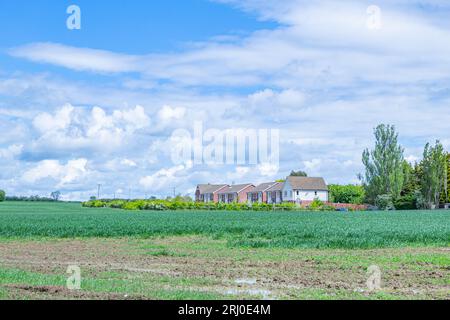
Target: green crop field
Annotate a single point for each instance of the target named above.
(221, 255)
(253, 229)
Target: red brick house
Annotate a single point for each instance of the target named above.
(208, 192)
(235, 193)
(259, 193)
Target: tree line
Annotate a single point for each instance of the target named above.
(391, 182)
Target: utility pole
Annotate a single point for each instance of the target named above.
(98, 191)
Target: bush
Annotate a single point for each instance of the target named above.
(351, 194)
(385, 202)
(177, 204)
(2, 195)
(316, 205)
(94, 204)
(407, 202)
(135, 205)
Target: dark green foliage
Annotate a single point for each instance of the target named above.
(385, 202)
(2, 195)
(434, 179)
(346, 194)
(55, 195)
(277, 229)
(409, 201)
(29, 199)
(298, 174)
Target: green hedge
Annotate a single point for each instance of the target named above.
(163, 205)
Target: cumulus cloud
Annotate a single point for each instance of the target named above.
(75, 128)
(11, 152)
(53, 169)
(167, 113)
(165, 179)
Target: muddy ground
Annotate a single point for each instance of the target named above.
(203, 268)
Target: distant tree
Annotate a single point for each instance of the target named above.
(384, 165)
(435, 174)
(93, 198)
(298, 174)
(55, 195)
(2, 195)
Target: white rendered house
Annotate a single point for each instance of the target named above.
(299, 189)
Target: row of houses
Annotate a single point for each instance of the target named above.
(293, 189)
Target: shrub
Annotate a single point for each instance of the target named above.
(94, 204)
(351, 194)
(407, 202)
(316, 205)
(116, 204)
(135, 205)
(385, 202)
(2, 195)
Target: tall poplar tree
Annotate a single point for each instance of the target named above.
(435, 174)
(384, 165)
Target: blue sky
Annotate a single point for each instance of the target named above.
(100, 104)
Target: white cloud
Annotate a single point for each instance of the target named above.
(77, 58)
(75, 128)
(45, 122)
(128, 162)
(312, 165)
(167, 113)
(268, 98)
(412, 159)
(268, 169)
(323, 41)
(11, 152)
(63, 174)
(164, 179)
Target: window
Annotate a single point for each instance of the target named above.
(315, 193)
(298, 192)
(285, 193)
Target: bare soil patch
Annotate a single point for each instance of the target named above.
(183, 262)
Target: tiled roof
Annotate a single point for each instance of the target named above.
(210, 188)
(276, 187)
(307, 183)
(235, 188)
(263, 187)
